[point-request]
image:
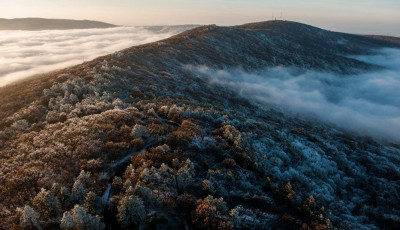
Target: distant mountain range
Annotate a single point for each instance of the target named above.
(50, 24)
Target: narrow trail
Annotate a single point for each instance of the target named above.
(117, 168)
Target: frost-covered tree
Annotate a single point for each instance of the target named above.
(130, 191)
(85, 178)
(185, 174)
(231, 134)
(79, 191)
(92, 203)
(78, 218)
(139, 131)
(129, 172)
(20, 125)
(131, 211)
(164, 169)
(245, 218)
(67, 222)
(211, 213)
(162, 149)
(127, 185)
(55, 189)
(144, 193)
(46, 204)
(64, 196)
(207, 187)
(175, 163)
(94, 165)
(145, 175)
(117, 184)
(29, 219)
(187, 168)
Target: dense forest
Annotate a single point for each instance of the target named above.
(137, 140)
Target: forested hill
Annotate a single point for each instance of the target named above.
(137, 138)
(50, 24)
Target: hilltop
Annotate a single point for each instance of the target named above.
(139, 138)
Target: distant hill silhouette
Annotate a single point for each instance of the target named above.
(50, 24)
(391, 39)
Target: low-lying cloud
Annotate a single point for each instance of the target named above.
(25, 53)
(368, 103)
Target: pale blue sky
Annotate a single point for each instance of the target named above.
(356, 16)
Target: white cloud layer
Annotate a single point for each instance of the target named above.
(368, 103)
(25, 53)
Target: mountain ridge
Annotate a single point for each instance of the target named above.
(183, 39)
(50, 24)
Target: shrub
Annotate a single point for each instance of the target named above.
(228, 163)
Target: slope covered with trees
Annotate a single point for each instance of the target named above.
(137, 139)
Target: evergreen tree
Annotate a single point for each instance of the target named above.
(29, 218)
(78, 218)
(117, 185)
(79, 192)
(144, 193)
(65, 197)
(47, 205)
(139, 131)
(92, 203)
(85, 178)
(131, 211)
(66, 221)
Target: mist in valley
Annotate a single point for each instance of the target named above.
(26, 53)
(366, 103)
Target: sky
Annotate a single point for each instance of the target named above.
(356, 16)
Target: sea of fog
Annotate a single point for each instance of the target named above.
(26, 53)
(366, 103)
